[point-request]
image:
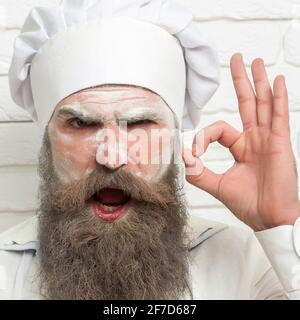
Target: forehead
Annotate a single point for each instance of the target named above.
(111, 98)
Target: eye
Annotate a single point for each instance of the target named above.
(79, 123)
(143, 122)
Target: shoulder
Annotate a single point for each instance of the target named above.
(214, 230)
(228, 263)
(223, 239)
(14, 243)
(21, 233)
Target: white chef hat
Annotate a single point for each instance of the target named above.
(79, 44)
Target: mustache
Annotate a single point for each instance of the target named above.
(142, 257)
(77, 194)
(138, 188)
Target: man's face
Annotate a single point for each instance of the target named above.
(81, 122)
(111, 227)
(113, 126)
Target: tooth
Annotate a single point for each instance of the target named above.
(109, 208)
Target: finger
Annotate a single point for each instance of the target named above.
(219, 131)
(189, 159)
(244, 92)
(280, 118)
(264, 96)
(200, 176)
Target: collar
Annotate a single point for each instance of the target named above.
(200, 229)
(24, 234)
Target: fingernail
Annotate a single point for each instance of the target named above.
(188, 158)
(195, 150)
(198, 144)
(241, 56)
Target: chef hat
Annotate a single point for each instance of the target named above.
(80, 44)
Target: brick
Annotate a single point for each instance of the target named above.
(9, 111)
(19, 144)
(13, 12)
(240, 10)
(252, 38)
(224, 100)
(292, 45)
(292, 75)
(18, 189)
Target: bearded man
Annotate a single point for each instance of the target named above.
(111, 86)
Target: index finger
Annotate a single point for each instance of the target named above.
(244, 92)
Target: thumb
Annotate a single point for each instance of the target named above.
(199, 175)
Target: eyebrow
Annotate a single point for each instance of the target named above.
(145, 115)
(67, 111)
(129, 117)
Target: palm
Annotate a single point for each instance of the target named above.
(259, 176)
(261, 187)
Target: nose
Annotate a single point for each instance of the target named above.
(112, 149)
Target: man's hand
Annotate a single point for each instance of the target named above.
(261, 187)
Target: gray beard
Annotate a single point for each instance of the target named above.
(144, 255)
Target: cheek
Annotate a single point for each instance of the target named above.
(153, 155)
(73, 157)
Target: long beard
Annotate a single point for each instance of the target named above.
(144, 255)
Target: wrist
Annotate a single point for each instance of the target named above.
(289, 218)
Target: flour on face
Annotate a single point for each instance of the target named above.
(122, 111)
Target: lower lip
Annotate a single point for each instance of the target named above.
(111, 216)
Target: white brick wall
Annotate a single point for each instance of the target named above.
(266, 28)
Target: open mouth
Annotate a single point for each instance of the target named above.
(110, 204)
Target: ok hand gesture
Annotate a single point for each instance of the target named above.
(261, 187)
